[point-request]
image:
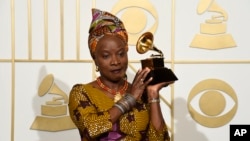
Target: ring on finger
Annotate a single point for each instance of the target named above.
(142, 81)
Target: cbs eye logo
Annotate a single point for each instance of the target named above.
(137, 17)
(212, 103)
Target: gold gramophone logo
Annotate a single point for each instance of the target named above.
(54, 113)
(213, 32)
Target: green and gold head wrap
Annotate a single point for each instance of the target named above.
(105, 23)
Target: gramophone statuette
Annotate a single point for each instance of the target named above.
(155, 62)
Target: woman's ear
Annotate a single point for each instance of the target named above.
(94, 59)
(93, 56)
(96, 65)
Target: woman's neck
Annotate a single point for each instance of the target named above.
(113, 87)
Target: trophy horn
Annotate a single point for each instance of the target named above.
(145, 43)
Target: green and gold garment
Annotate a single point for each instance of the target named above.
(88, 107)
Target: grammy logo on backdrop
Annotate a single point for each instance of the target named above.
(54, 113)
(155, 62)
(213, 32)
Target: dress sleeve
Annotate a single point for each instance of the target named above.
(155, 135)
(84, 114)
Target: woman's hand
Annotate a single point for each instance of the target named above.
(139, 84)
(153, 90)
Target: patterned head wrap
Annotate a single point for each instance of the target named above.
(105, 23)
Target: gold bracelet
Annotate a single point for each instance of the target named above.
(154, 100)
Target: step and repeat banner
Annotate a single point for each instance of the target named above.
(44, 52)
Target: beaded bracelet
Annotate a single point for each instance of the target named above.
(154, 100)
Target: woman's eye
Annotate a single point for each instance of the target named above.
(105, 56)
(121, 54)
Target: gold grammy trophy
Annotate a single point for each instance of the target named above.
(155, 62)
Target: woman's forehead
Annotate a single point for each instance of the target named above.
(108, 40)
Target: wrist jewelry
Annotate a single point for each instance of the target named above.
(120, 108)
(154, 100)
(126, 103)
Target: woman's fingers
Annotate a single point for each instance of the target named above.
(142, 74)
(148, 81)
(139, 84)
(140, 81)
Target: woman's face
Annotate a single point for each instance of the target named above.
(111, 58)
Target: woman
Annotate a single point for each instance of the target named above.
(110, 108)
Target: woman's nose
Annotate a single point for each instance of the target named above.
(115, 60)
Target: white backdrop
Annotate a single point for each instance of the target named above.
(44, 37)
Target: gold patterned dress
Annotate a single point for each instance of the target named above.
(88, 107)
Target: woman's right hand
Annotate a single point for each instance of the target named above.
(139, 84)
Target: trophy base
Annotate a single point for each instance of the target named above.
(158, 71)
(161, 75)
